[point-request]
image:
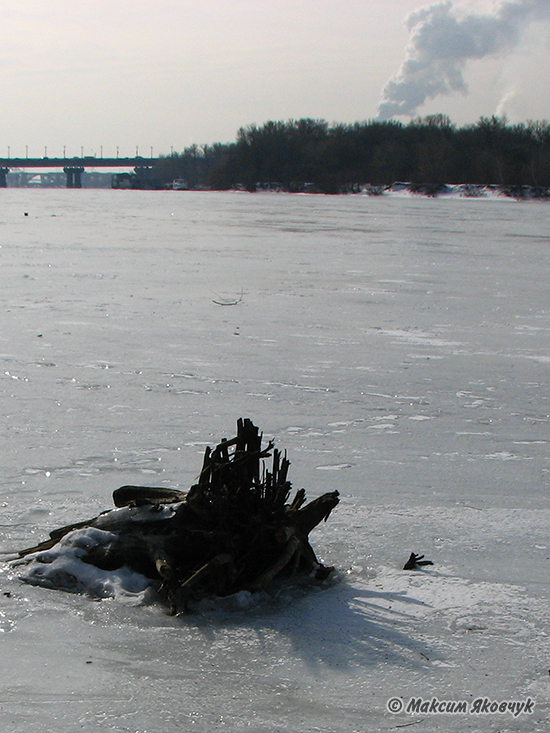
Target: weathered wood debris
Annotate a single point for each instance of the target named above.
(236, 529)
(416, 561)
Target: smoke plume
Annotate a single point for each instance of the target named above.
(443, 39)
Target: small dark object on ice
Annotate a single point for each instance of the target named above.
(415, 561)
(234, 530)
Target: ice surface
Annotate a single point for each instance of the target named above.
(398, 348)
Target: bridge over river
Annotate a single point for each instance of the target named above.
(73, 167)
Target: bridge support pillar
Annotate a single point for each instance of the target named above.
(3, 180)
(74, 176)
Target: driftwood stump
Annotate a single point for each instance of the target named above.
(234, 530)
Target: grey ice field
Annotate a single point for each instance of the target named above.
(398, 348)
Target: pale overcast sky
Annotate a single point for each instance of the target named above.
(163, 74)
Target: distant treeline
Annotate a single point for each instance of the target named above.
(312, 155)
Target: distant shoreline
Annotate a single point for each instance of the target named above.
(429, 190)
(398, 189)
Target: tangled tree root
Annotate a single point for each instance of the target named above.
(234, 530)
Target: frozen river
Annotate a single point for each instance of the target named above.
(398, 348)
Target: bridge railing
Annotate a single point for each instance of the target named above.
(86, 162)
